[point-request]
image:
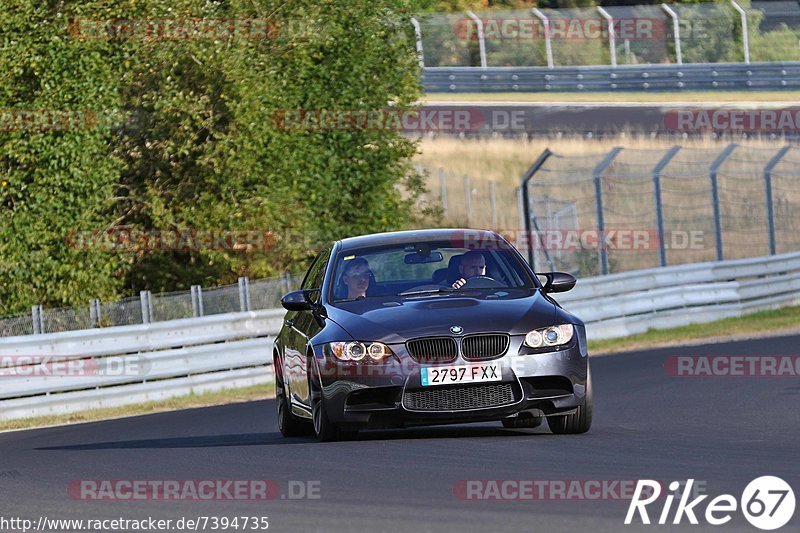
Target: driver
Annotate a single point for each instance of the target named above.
(472, 264)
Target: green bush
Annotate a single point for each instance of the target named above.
(186, 138)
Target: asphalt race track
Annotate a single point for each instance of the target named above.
(721, 431)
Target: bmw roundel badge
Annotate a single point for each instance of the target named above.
(456, 329)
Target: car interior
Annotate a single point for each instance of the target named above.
(443, 276)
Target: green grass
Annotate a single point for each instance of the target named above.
(225, 396)
(755, 324)
(714, 97)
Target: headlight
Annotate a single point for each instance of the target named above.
(360, 351)
(550, 336)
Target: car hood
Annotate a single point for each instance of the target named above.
(395, 320)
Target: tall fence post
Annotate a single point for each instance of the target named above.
(144, 300)
(244, 293)
(745, 36)
(531, 223)
(712, 174)
(36, 318)
(657, 170)
(597, 175)
(676, 32)
(612, 39)
(443, 188)
(768, 195)
(418, 33)
(481, 37)
(493, 200)
(548, 49)
(468, 199)
(94, 312)
(197, 300)
(287, 281)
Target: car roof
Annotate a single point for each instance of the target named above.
(459, 237)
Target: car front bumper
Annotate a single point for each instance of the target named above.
(391, 395)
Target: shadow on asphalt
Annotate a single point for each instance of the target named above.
(272, 439)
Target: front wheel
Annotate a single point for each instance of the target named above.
(578, 422)
(324, 429)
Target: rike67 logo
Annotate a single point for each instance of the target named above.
(767, 503)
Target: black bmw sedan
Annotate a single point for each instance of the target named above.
(429, 327)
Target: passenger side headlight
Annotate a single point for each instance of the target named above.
(550, 336)
(368, 352)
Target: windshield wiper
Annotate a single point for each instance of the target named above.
(428, 291)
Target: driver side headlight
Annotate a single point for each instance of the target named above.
(549, 336)
(366, 352)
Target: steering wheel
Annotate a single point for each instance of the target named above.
(482, 282)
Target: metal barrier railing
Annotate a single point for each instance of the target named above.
(148, 307)
(695, 77)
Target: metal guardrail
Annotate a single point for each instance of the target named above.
(178, 357)
(689, 77)
(133, 364)
(628, 303)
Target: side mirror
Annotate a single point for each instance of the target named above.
(558, 282)
(297, 301)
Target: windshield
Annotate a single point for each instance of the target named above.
(425, 268)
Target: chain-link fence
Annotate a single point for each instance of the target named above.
(645, 34)
(472, 202)
(630, 209)
(148, 307)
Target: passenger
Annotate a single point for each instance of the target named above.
(471, 264)
(356, 277)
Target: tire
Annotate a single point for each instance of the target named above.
(288, 424)
(324, 429)
(522, 422)
(578, 422)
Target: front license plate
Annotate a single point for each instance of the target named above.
(446, 375)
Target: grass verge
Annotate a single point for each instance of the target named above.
(715, 97)
(760, 324)
(225, 396)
